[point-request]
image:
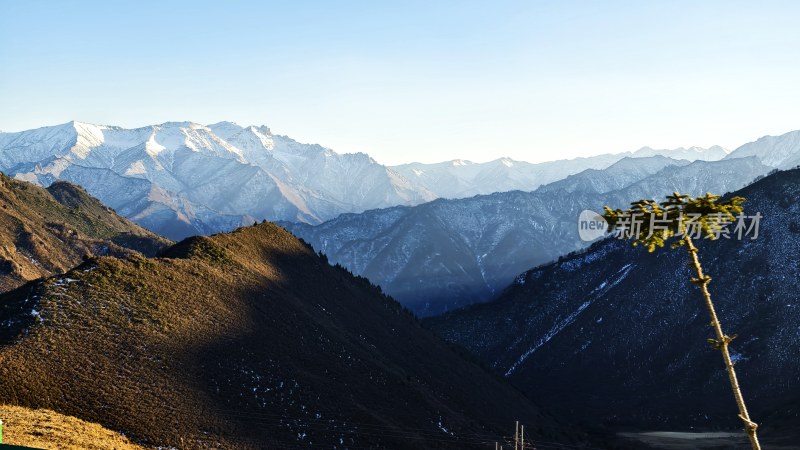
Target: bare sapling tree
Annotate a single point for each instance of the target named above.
(652, 224)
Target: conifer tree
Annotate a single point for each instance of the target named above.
(652, 224)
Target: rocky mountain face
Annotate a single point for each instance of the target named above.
(48, 231)
(248, 340)
(616, 335)
(449, 253)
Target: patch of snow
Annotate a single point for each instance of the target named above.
(560, 325)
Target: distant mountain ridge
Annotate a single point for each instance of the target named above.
(460, 178)
(182, 178)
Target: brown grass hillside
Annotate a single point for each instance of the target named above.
(247, 340)
(50, 430)
(48, 231)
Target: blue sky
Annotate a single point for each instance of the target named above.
(414, 81)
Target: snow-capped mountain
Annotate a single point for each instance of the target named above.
(182, 178)
(447, 253)
(780, 152)
(638, 325)
(460, 178)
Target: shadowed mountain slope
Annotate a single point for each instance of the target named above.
(247, 340)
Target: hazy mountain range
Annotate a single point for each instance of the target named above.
(460, 178)
(449, 253)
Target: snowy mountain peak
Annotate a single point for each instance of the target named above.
(225, 130)
(508, 162)
(76, 124)
(782, 152)
(187, 124)
(225, 124)
(263, 129)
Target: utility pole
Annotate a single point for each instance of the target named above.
(516, 435)
(522, 439)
